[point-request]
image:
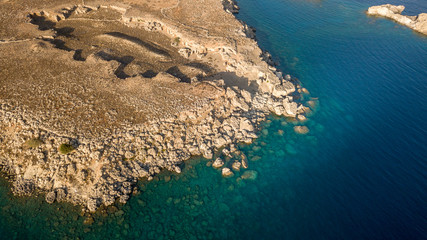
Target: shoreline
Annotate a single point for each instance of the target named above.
(134, 151)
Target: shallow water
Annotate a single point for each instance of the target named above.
(360, 173)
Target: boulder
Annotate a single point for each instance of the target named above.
(278, 109)
(50, 197)
(301, 129)
(246, 95)
(301, 118)
(290, 108)
(92, 204)
(219, 142)
(244, 161)
(239, 103)
(218, 163)
(283, 89)
(420, 24)
(305, 91)
(230, 93)
(123, 198)
(60, 194)
(230, 6)
(246, 125)
(236, 166)
(226, 152)
(226, 172)
(206, 152)
(129, 155)
(279, 91)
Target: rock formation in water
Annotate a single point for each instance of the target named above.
(95, 96)
(417, 23)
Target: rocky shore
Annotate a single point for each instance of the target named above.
(394, 12)
(95, 96)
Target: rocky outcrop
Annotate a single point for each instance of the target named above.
(417, 23)
(230, 6)
(121, 121)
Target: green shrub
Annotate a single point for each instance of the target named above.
(33, 143)
(65, 148)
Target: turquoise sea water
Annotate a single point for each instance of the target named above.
(361, 172)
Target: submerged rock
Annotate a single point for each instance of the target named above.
(301, 129)
(255, 158)
(88, 221)
(301, 118)
(249, 175)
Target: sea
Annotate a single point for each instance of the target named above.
(360, 172)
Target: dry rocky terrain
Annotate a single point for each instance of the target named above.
(95, 95)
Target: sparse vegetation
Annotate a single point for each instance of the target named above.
(33, 143)
(65, 148)
(176, 40)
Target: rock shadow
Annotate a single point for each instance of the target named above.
(139, 42)
(78, 55)
(60, 44)
(65, 32)
(232, 80)
(42, 22)
(174, 71)
(124, 61)
(205, 68)
(149, 74)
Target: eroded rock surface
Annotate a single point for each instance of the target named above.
(417, 23)
(128, 88)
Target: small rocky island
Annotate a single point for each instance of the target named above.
(95, 95)
(417, 23)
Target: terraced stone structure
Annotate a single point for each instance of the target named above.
(95, 95)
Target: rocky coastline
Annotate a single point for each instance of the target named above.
(99, 161)
(394, 12)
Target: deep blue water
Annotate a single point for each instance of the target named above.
(367, 177)
(361, 172)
